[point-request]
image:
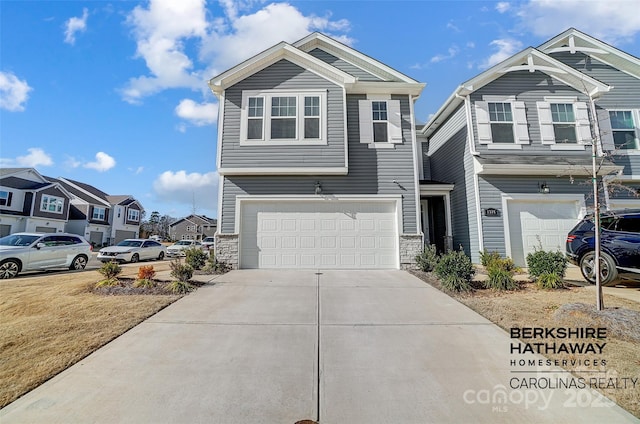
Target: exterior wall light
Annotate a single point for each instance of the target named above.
(544, 188)
(318, 187)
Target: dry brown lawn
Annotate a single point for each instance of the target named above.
(51, 321)
(533, 307)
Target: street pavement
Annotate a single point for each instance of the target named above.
(336, 347)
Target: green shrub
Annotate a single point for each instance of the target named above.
(195, 257)
(110, 270)
(543, 262)
(500, 278)
(428, 259)
(214, 266)
(549, 280)
(455, 270)
(145, 283)
(487, 257)
(182, 272)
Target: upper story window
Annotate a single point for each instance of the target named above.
(564, 121)
(501, 122)
(623, 129)
(191, 228)
(98, 214)
(380, 122)
(52, 204)
(133, 215)
(5, 198)
(281, 117)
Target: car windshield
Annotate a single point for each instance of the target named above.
(18, 240)
(183, 243)
(130, 243)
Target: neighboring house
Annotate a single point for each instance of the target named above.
(28, 202)
(506, 160)
(193, 227)
(317, 160)
(98, 217)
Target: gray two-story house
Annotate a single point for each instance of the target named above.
(507, 160)
(193, 227)
(317, 160)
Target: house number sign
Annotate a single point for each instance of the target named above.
(491, 212)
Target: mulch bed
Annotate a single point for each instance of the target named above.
(125, 287)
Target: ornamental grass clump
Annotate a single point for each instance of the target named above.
(145, 277)
(110, 271)
(500, 273)
(455, 271)
(428, 259)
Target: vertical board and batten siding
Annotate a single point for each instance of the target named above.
(452, 163)
(283, 75)
(371, 172)
(624, 95)
(529, 88)
(343, 65)
(492, 188)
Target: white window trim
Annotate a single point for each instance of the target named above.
(104, 213)
(520, 125)
(582, 123)
(132, 218)
(267, 95)
(607, 132)
(394, 122)
(44, 205)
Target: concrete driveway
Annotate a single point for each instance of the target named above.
(330, 346)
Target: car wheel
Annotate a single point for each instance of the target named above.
(608, 271)
(79, 262)
(9, 269)
(135, 258)
(161, 256)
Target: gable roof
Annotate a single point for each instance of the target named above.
(22, 184)
(4, 172)
(298, 53)
(191, 218)
(529, 59)
(574, 41)
(86, 192)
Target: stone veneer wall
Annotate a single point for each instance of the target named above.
(227, 249)
(410, 246)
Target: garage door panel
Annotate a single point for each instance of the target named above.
(336, 234)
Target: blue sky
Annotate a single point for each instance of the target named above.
(114, 94)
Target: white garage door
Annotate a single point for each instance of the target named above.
(326, 234)
(534, 224)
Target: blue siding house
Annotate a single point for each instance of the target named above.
(318, 160)
(506, 161)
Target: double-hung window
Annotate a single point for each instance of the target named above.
(283, 117)
(5, 198)
(98, 214)
(380, 122)
(51, 204)
(133, 215)
(623, 129)
(564, 122)
(501, 122)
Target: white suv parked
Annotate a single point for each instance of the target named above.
(37, 251)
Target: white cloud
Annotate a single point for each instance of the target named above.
(164, 29)
(451, 53)
(14, 92)
(199, 114)
(191, 189)
(613, 21)
(74, 25)
(103, 162)
(503, 6)
(36, 157)
(506, 47)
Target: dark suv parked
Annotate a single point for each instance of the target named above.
(620, 246)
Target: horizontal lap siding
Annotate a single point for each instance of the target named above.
(624, 95)
(343, 65)
(371, 172)
(283, 75)
(529, 88)
(492, 188)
